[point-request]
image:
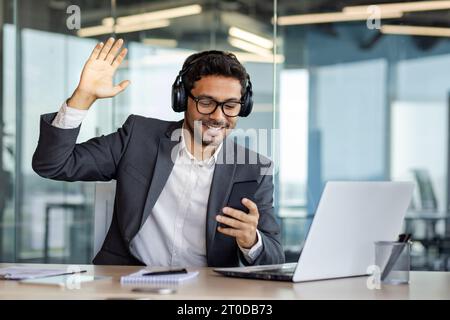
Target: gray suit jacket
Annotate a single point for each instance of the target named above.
(138, 156)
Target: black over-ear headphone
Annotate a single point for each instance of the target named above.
(179, 94)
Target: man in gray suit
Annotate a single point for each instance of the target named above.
(173, 178)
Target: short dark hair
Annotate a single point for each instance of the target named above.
(214, 62)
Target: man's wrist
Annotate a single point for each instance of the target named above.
(255, 241)
(252, 253)
(81, 100)
(69, 118)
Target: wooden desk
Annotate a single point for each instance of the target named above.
(209, 285)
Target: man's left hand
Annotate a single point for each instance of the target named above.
(242, 225)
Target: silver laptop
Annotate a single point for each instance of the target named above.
(350, 217)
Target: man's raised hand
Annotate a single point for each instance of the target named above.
(97, 77)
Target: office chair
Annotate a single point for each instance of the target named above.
(428, 203)
(426, 190)
(103, 211)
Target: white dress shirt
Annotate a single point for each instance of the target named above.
(174, 233)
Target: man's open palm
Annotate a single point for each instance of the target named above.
(98, 72)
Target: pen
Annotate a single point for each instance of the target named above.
(164, 272)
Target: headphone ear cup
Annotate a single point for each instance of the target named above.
(248, 102)
(179, 99)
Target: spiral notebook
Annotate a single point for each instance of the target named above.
(139, 278)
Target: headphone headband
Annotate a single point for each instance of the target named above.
(179, 94)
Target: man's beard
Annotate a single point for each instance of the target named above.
(210, 132)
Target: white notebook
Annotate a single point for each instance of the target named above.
(28, 272)
(139, 278)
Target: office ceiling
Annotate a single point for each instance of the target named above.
(216, 18)
(432, 18)
(259, 10)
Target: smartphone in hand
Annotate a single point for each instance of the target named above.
(240, 190)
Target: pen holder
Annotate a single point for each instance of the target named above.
(393, 260)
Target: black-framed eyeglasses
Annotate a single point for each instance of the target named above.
(207, 106)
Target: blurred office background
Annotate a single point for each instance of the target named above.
(354, 93)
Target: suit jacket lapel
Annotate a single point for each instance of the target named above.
(219, 192)
(163, 168)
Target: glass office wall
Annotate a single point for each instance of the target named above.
(378, 99)
(44, 220)
(343, 98)
(43, 54)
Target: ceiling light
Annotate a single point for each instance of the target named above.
(155, 15)
(316, 18)
(251, 37)
(106, 29)
(142, 26)
(139, 22)
(401, 7)
(170, 43)
(94, 31)
(415, 30)
(247, 46)
(252, 57)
